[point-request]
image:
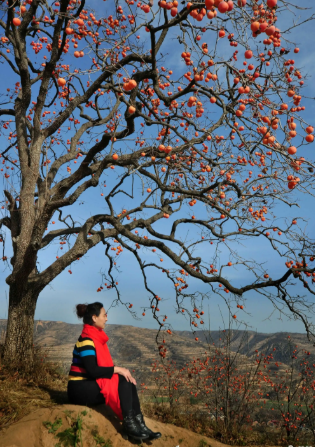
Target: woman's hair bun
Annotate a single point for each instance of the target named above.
(81, 309)
(87, 311)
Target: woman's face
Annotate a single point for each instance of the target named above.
(100, 321)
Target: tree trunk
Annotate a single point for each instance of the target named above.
(20, 328)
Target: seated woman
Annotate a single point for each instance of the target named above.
(94, 379)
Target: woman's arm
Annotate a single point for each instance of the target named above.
(95, 371)
(116, 370)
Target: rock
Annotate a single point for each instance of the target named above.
(33, 429)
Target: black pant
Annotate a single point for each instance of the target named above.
(87, 392)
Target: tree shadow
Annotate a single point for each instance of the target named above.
(60, 397)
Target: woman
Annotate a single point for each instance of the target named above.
(94, 379)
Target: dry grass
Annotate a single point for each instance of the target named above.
(24, 390)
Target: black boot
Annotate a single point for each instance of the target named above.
(145, 429)
(132, 428)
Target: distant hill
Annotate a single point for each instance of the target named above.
(247, 342)
(136, 348)
(131, 347)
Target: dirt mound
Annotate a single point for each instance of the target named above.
(66, 425)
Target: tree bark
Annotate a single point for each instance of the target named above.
(20, 328)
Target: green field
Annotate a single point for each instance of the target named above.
(161, 399)
(274, 404)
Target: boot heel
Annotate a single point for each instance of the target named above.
(128, 437)
(144, 429)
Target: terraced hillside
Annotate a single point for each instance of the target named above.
(136, 348)
(131, 347)
(247, 342)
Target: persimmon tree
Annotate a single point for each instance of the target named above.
(199, 104)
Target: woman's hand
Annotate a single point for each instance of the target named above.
(126, 373)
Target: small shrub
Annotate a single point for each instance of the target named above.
(100, 441)
(71, 437)
(53, 426)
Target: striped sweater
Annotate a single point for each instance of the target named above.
(84, 363)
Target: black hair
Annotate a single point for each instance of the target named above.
(88, 310)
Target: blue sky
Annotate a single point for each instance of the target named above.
(57, 301)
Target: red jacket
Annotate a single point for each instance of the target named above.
(109, 387)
